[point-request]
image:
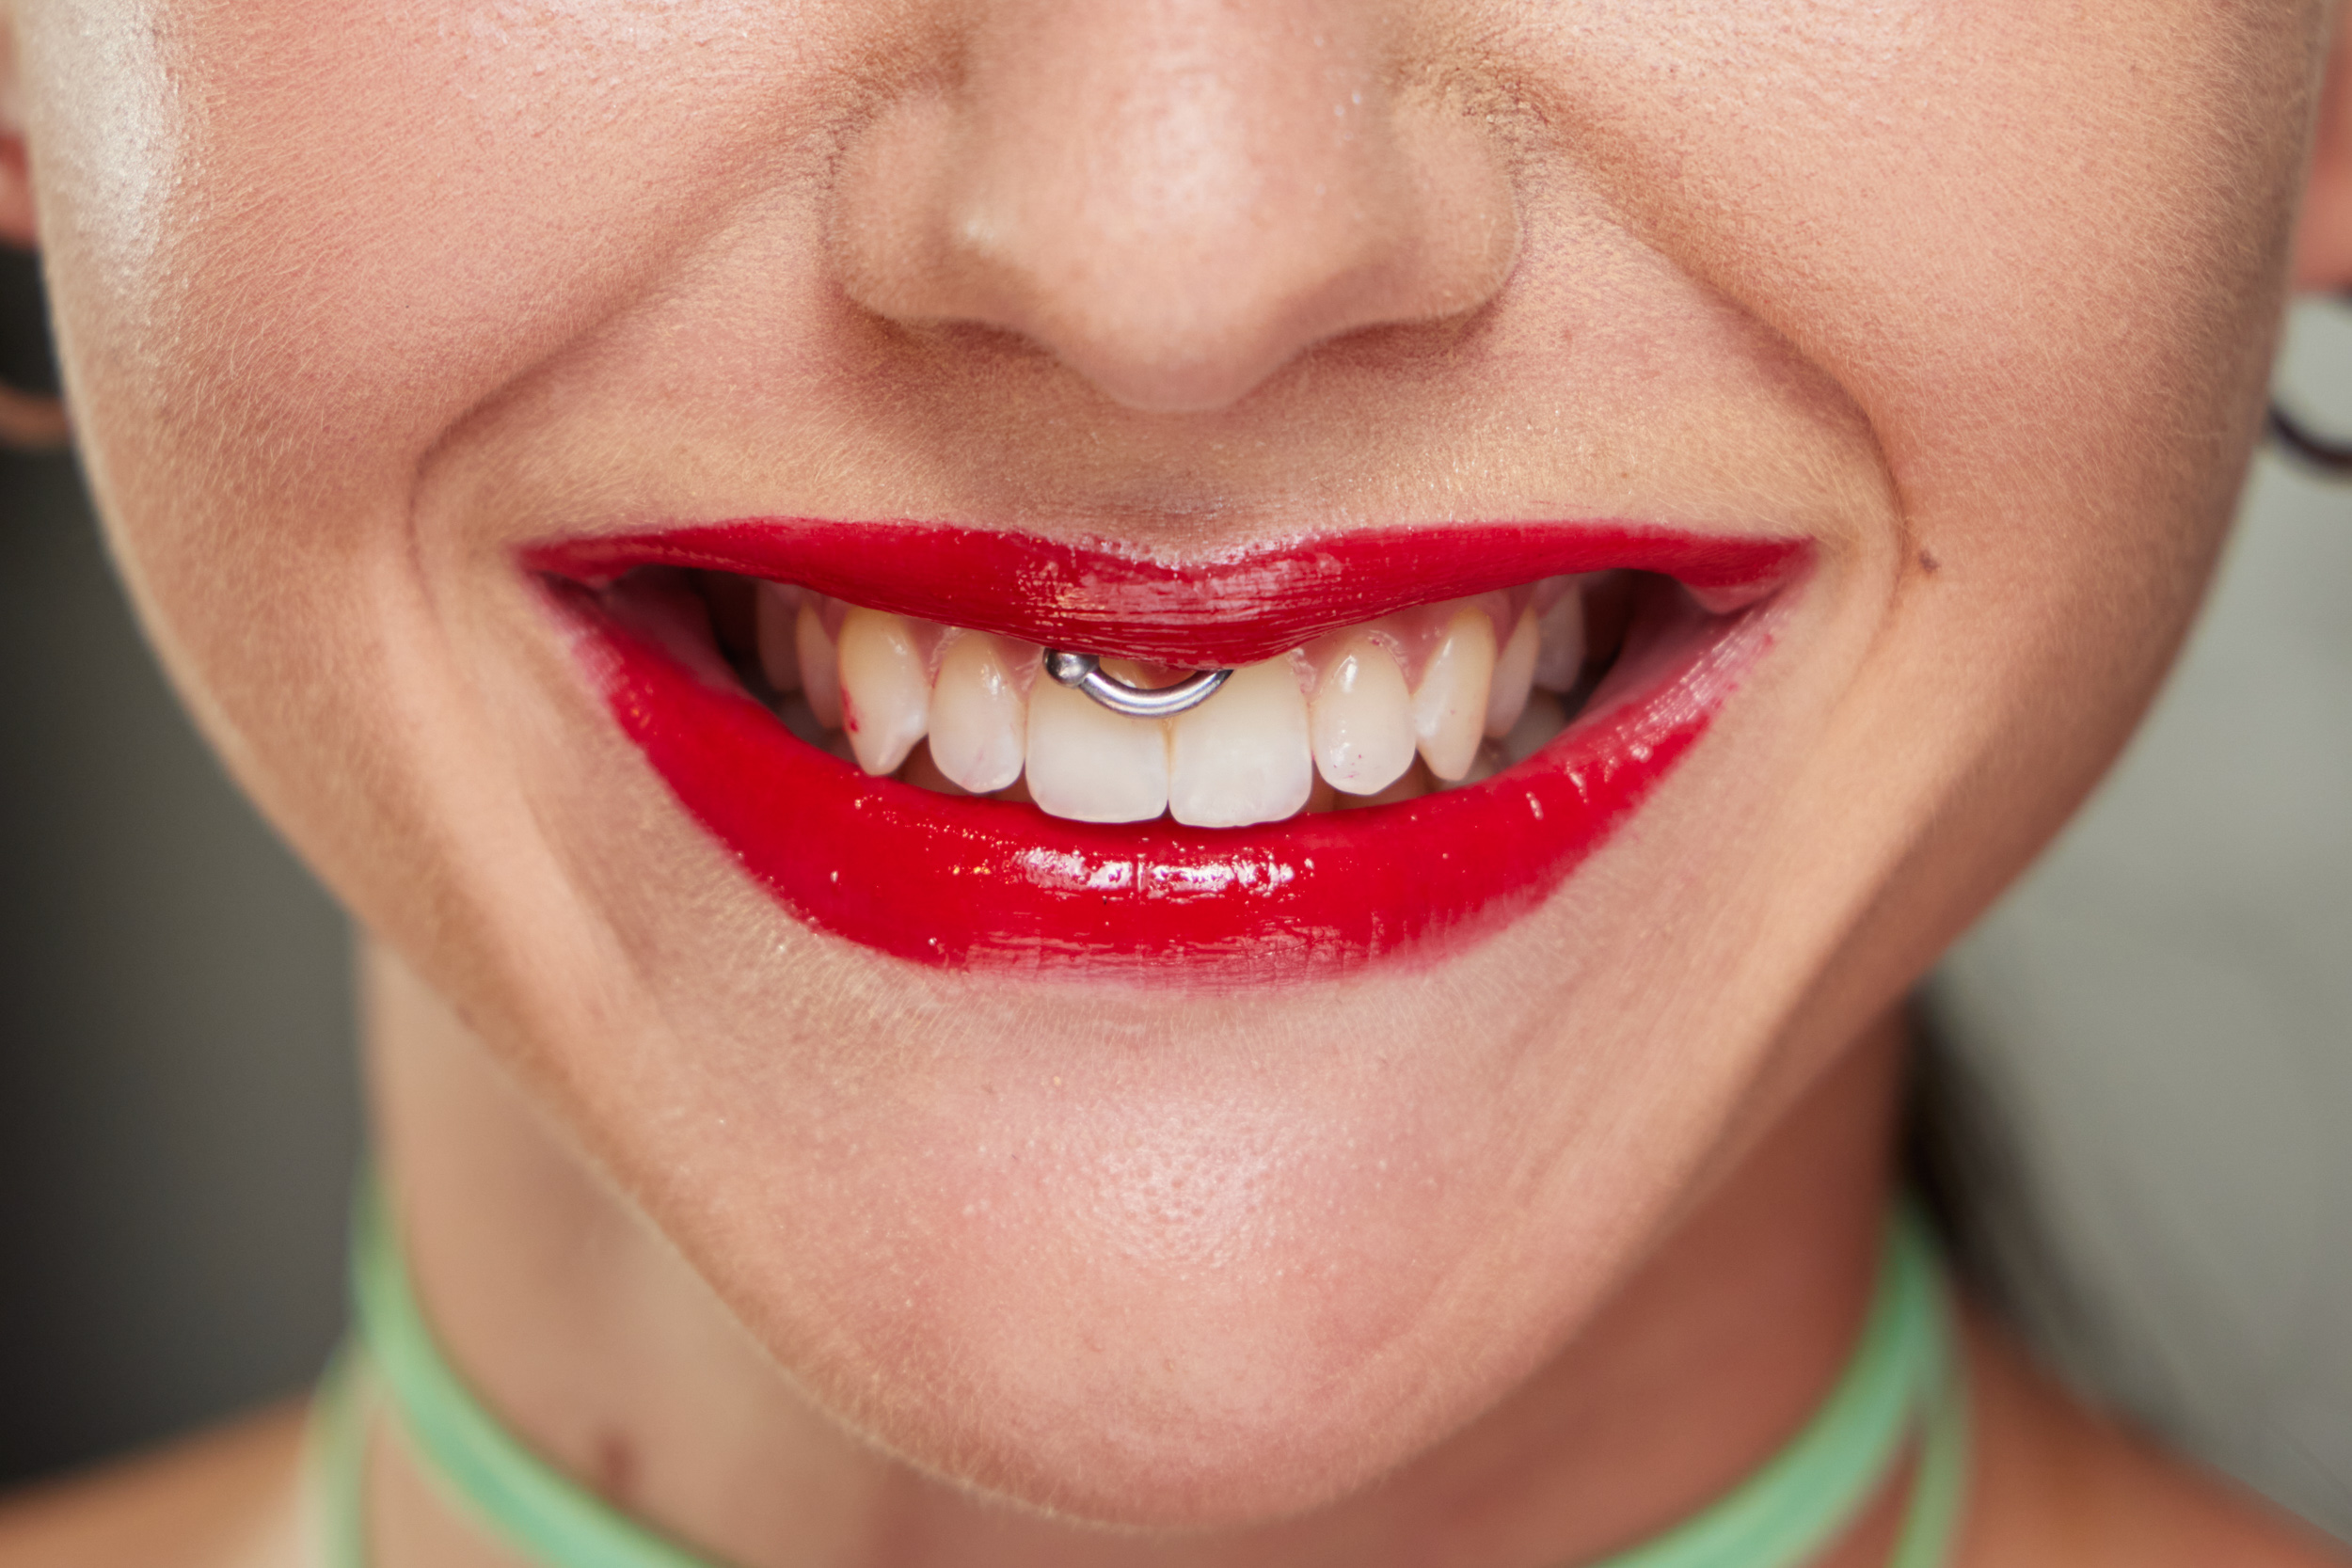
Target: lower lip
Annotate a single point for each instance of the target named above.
(975, 884)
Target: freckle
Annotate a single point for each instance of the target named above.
(614, 1471)
(1928, 561)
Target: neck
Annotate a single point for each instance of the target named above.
(581, 1326)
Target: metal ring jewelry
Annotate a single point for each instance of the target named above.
(2328, 456)
(1084, 672)
(2331, 458)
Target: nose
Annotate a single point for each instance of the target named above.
(1175, 198)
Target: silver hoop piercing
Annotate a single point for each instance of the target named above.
(1084, 672)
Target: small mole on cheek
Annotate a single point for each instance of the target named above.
(1928, 561)
(614, 1472)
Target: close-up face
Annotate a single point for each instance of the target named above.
(1714, 480)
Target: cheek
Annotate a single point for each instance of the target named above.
(2050, 297)
(297, 243)
(2051, 289)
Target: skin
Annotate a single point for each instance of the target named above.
(1510, 1260)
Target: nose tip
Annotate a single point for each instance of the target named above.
(1174, 199)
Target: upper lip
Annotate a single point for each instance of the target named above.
(1230, 606)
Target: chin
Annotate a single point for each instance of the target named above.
(1174, 1294)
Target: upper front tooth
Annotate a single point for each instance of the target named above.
(1242, 757)
(820, 667)
(1449, 709)
(1360, 719)
(980, 717)
(885, 690)
(775, 614)
(1515, 675)
(1091, 765)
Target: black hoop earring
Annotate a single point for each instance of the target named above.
(31, 422)
(31, 417)
(2331, 458)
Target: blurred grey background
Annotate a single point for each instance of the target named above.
(2158, 1021)
(2160, 1014)
(177, 1111)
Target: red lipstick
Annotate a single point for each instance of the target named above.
(978, 883)
(1235, 607)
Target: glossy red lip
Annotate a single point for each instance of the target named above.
(1232, 607)
(978, 883)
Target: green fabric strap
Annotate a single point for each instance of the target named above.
(1904, 1380)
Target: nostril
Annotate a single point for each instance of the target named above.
(1174, 232)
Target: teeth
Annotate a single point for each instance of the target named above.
(776, 611)
(1513, 676)
(924, 772)
(885, 690)
(1361, 720)
(1242, 757)
(821, 670)
(1260, 750)
(1411, 785)
(1091, 765)
(1451, 706)
(979, 719)
(1560, 638)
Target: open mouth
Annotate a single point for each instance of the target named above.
(1424, 732)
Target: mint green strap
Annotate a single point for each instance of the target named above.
(339, 1458)
(541, 1512)
(1939, 1481)
(1788, 1512)
(1905, 1377)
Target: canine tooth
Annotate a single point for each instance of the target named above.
(1449, 709)
(1560, 639)
(1361, 718)
(885, 690)
(834, 743)
(979, 719)
(820, 665)
(775, 617)
(1091, 765)
(1515, 675)
(1242, 757)
(1542, 719)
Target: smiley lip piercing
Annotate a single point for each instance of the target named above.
(1084, 672)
